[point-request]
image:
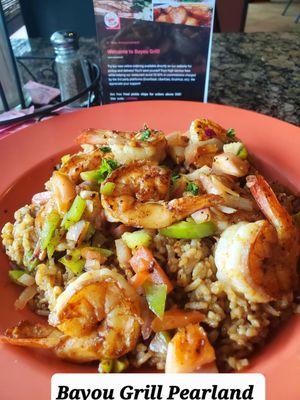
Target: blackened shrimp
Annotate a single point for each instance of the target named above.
(146, 144)
(140, 197)
(96, 317)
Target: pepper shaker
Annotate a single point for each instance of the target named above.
(71, 68)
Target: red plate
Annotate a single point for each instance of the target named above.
(26, 160)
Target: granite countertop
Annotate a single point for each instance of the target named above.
(255, 71)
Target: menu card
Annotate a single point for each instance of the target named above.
(154, 49)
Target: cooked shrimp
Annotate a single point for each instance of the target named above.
(204, 129)
(177, 142)
(82, 161)
(63, 190)
(230, 164)
(140, 197)
(259, 259)
(94, 212)
(96, 317)
(96, 137)
(206, 140)
(190, 351)
(225, 187)
(146, 144)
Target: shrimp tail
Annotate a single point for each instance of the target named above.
(288, 235)
(270, 206)
(28, 334)
(93, 136)
(185, 206)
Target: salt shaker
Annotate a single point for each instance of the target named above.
(71, 69)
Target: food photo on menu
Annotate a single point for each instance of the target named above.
(149, 200)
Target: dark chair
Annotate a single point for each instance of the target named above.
(43, 17)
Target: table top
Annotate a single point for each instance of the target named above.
(255, 71)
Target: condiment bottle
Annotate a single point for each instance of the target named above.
(70, 66)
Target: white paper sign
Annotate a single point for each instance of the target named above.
(158, 387)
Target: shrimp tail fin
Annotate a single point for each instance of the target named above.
(267, 201)
(28, 334)
(287, 252)
(185, 206)
(93, 136)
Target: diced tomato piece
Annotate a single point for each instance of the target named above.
(143, 260)
(139, 279)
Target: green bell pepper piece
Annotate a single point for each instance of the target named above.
(243, 153)
(51, 223)
(15, 274)
(105, 366)
(92, 176)
(120, 365)
(137, 239)
(53, 243)
(108, 188)
(75, 212)
(156, 296)
(189, 230)
(74, 262)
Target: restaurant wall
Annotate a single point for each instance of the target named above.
(44, 17)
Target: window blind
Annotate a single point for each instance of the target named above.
(11, 8)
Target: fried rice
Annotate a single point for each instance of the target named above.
(235, 326)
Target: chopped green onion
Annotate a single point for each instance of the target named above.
(73, 262)
(75, 212)
(121, 365)
(65, 158)
(146, 135)
(174, 178)
(137, 239)
(105, 366)
(29, 261)
(106, 169)
(108, 188)
(15, 274)
(189, 230)
(105, 149)
(51, 223)
(156, 296)
(243, 153)
(230, 133)
(193, 188)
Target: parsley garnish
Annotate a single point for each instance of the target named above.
(105, 149)
(146, 135)
(193, 188)
(230, 133)
(175, 177)
(106, 168)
